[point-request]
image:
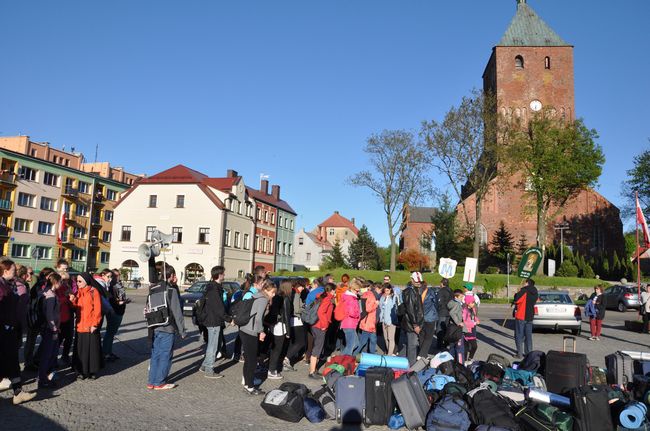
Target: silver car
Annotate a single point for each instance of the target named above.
(621, 297)
(556, 310)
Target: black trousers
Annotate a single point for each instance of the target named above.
(427, 333)
(276, 355)
(10, 340)
(297, 343)
(442, 329)
(66, 336)
(471, 346)
(250, 347)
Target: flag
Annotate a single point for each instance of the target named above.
(59, 238)
(640, 219)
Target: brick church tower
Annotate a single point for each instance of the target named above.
(530, 69)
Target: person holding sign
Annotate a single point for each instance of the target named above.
(524, 302)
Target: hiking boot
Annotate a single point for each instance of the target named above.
(274, 375)
(23, 397)
(212, 375)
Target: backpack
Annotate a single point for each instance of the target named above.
(241, 311)
(156, 310)
(35, 314)
(590, 309)
(340, 312)
(492, 409)
(200, 311)
(349, 364)
(499, 360)
(461, 373)
(314, 412)
(533, 361)
(309, 314)
(449, 414)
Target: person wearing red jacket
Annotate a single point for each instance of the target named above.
(319, 329)
(524, 302)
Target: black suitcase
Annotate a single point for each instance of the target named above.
(412, 400)
(380, 402)
(590, 405)
(620, 370)
(565, 370)
(640, 387)
(641, 367)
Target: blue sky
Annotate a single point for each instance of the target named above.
(293, 88)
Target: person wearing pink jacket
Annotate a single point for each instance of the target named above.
(350, 302)
(368, 322)
(470, 320)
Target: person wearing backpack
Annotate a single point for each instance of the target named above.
(388, 317)
(49, 331)
(430, 308)
(368, 322)
(278, 319)
(213, 317)
(470, 320)
(319, 329)
(253, 332)
(10, 334)
(596, 322)
(66, 329)
(297, 333)
(524, 302)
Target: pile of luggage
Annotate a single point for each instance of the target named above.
(557, 390)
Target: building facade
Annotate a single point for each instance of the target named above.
(309, 251)
(418, 227)
(337, 228)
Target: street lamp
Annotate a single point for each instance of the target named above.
(562, 227)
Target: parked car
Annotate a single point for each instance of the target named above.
(556, 310)
(196, 290)
(621, 297)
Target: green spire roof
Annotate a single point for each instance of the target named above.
(528, 29)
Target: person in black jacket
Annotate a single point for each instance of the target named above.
(445, 295)
(413, 318)
(215, 316)
(278, 320)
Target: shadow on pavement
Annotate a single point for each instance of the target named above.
(22, 418)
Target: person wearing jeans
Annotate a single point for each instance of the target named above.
(388, 317)
(214, 316)
(430, 308)
(524, 302)
(368, 324)
(350, 303)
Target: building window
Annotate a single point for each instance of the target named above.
(180, 201)
(50, 179)
(149, 233)
(266, 216)
(34, 153)
(290, 249)
(44, 252)
(291, 225)
(126, 233)
(111, 195)
(279, 220)
(48, 204)
(153, 201)
(331, 232)
(264, 245)
(239, 210)
(248, 210)
(237, 240)
(226, 238)
(104, 257)
(547, 62)
(106, 236)
(84, 187)
(300, 240)
(246, 240)
(177, 233)
(204, 235)
(519, 62)
(81, 210)
(272, 218)
(308, 257)
(79, 232)
(22, 225)
(19, 250)
(259, 214)
(45, 228)
(108, 215)
(286, 223)
(279, 248)
(78, 254)
(26, 173)
(257, 243)
(26, 200)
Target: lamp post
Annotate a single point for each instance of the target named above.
(562, 227)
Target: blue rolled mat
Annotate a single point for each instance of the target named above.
(548, 398)
(395, 362)
(632, 415)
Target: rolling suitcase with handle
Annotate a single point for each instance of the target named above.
(565, 370)
(350, 399)
(412, 400)
(380, 401)
(590, 405)
(620, 369)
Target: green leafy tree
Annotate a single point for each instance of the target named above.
(630, 244)
(567, 269)
(522, 244)
(502, 243)
(336, 259)
(397, 177)
(363, 251)
(617, 269)
(605, 269)
(552, 161)
(449, 241)
(638, 180)
(384, 257)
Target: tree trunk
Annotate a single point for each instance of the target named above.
(393, 257)
(541, 233)
(477, 228)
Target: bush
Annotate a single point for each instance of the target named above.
(587, 272)
(492, 270)
(567, 269)
(413, 260)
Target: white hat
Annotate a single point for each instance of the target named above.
(416, 276)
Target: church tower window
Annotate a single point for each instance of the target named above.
(547, 63)
(519, 62)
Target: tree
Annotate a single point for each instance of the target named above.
(630, 244)
(638, 181)
(463, 147)
(449, 241)
(397, 177)
(522, 244)
(502, 243)
(336, 259)
(552, 161)
(363, 251)
(413, 260)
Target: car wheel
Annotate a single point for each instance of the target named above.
(576, 331)
(621, 307)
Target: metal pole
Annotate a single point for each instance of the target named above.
(508, 271)
(561, 245)
(638, 252)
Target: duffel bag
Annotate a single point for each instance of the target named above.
(284, 405)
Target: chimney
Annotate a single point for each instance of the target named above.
(352, 221)
(231, 173)
(264, 186)
(336, 212)
(275, 192)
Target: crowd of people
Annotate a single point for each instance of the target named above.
(67, 312)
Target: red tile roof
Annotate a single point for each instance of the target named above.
(179, 174)
(224, 184)
(269, 199)
(337, 220)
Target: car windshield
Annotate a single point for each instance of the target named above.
(555, 298)
(630, 290)
(197, 287)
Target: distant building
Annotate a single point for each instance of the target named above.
(417, 229)
(313, 247)
(309, 251)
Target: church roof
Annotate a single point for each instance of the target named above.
(421, 214)
(528, 29)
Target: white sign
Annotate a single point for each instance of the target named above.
(551, 267)
(447, 267)
(194, 251)
(130, 248)
(471, 267)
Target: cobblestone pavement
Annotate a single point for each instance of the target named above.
(119, 398)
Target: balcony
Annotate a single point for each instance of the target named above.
(70, 192)
(4, 232)
(8, 178)
(97, 222)
(94, 242)
(98, 199)
(5, 205)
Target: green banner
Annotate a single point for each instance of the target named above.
(530, 261)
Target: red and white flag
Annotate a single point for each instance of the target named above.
(60, 235)
(640, 219)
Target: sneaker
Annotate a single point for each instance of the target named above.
(253, 391)
(219, 355)
(274, 375)
(591, 338)
(212, 375)
(241, 359)
(150, 386)
(164, 387)
(5, 384)
(315, 376)
(597, 338)
(23, 397)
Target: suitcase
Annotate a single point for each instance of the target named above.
(380, 402)
(620, 370)
(590, 405)
(412, 400)
(641, 367)
(565, 370)
(350, 399)
(640, 387)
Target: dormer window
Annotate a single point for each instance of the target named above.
(547, 62)
(519, 62)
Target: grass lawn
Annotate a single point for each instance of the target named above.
(489, 282)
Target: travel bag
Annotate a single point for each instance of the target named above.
(590, 405)
(641, 387)
(411, 399)
(641, 367)
(543, 417)
(314, 412)
(619, 369)
(492, 409)
(499, 360)
(533, 361)
(348, 362)
(462, 374)
(597, 376)
(325, 397)
(350, 399)
(565, 370)
(380, 402)
(451, 413)
(284, 405)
